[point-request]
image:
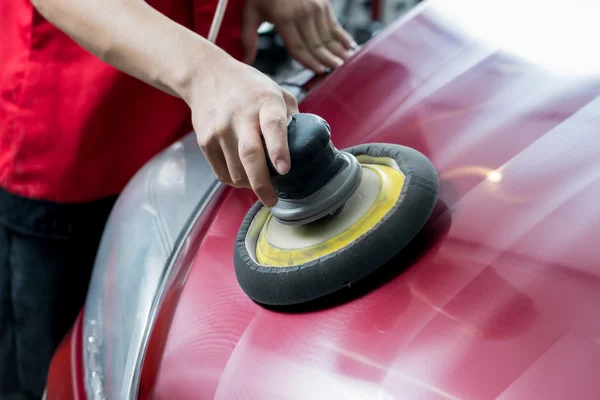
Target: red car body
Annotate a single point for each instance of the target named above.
(499, 297)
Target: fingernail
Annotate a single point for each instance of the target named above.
(271, 201)
(354, 45)
(282, 167)
(322, 69)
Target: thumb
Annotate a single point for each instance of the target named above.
(250, 24)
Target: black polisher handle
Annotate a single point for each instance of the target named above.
(314, 159)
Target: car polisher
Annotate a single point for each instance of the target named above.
(340, 216)
(323, 178)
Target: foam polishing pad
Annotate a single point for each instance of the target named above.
(279, 264)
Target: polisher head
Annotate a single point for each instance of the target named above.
(340, 216)
(321, 178)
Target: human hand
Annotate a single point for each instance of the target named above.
(308, 28)
(231, 110)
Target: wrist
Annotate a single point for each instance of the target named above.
(199, 78)
(181, 59)
(190, 62)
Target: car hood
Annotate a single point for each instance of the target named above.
(499, 296)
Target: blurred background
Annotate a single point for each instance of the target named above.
(363, 19)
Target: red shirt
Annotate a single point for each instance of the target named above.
(74, 129)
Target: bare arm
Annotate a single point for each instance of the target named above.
(233, 105)
(135, 38)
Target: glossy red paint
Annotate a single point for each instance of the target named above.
(65, 376)
(155, 350)
(499, 297)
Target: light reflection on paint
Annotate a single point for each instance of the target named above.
(494, 176)
(491, 184)
(536, 43)
(390, 371)
(475, 170)
(289, 378)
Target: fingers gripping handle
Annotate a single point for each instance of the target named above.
(313, 158)
(308, 135)
(272, 170)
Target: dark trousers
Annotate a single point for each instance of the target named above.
(47, 252)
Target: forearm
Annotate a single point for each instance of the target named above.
(135, 38)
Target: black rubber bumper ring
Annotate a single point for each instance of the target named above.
(282, 286)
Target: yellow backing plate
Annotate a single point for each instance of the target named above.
(391, 181)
